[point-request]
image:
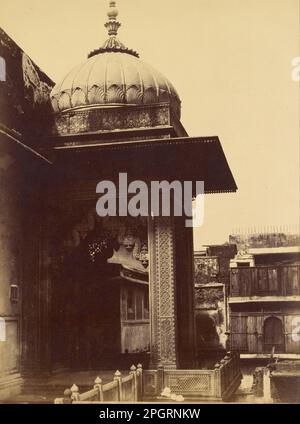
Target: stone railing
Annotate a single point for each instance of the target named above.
(218, 383)
(214, 384)
(120, 389)
(228, 375)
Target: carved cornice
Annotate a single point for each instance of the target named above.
(110, 119)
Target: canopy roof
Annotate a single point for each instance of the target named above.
(184, 159)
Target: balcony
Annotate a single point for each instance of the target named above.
(265, 283)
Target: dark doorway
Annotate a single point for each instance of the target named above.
(273, 335)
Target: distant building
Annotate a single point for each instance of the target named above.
(211, 286)
(264, 295)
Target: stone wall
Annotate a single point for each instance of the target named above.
(209, 304)
(24, 90)
(211, 278)
(24, 105)
(10, 267)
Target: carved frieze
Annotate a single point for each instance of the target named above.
(115, 240)
(206, 269)
(110, 119)
(39, 90)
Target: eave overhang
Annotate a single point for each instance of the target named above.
(183, 159)
(14, 143)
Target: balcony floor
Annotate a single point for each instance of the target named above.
(252, 299)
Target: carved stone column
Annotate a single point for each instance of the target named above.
(162, 292)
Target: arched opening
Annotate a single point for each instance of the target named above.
(273, 335)
(100, 295)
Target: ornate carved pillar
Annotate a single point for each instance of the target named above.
(162, 292)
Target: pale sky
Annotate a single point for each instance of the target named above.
(230, 61)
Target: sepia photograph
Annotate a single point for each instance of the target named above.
(149, 205)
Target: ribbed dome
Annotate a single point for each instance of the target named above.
(113, 75)
(110, 78)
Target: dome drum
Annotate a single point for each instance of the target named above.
(113, 118)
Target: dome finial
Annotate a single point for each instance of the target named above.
(112, 44)
(112, 25)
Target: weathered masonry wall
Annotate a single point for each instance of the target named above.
(10, 273)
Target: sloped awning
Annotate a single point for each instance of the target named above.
(184, 159)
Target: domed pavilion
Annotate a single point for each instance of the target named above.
(106, 292)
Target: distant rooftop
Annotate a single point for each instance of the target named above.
(274, 250)
(246, 241)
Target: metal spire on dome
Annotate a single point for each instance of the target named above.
(112, 25)
(113, 44)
